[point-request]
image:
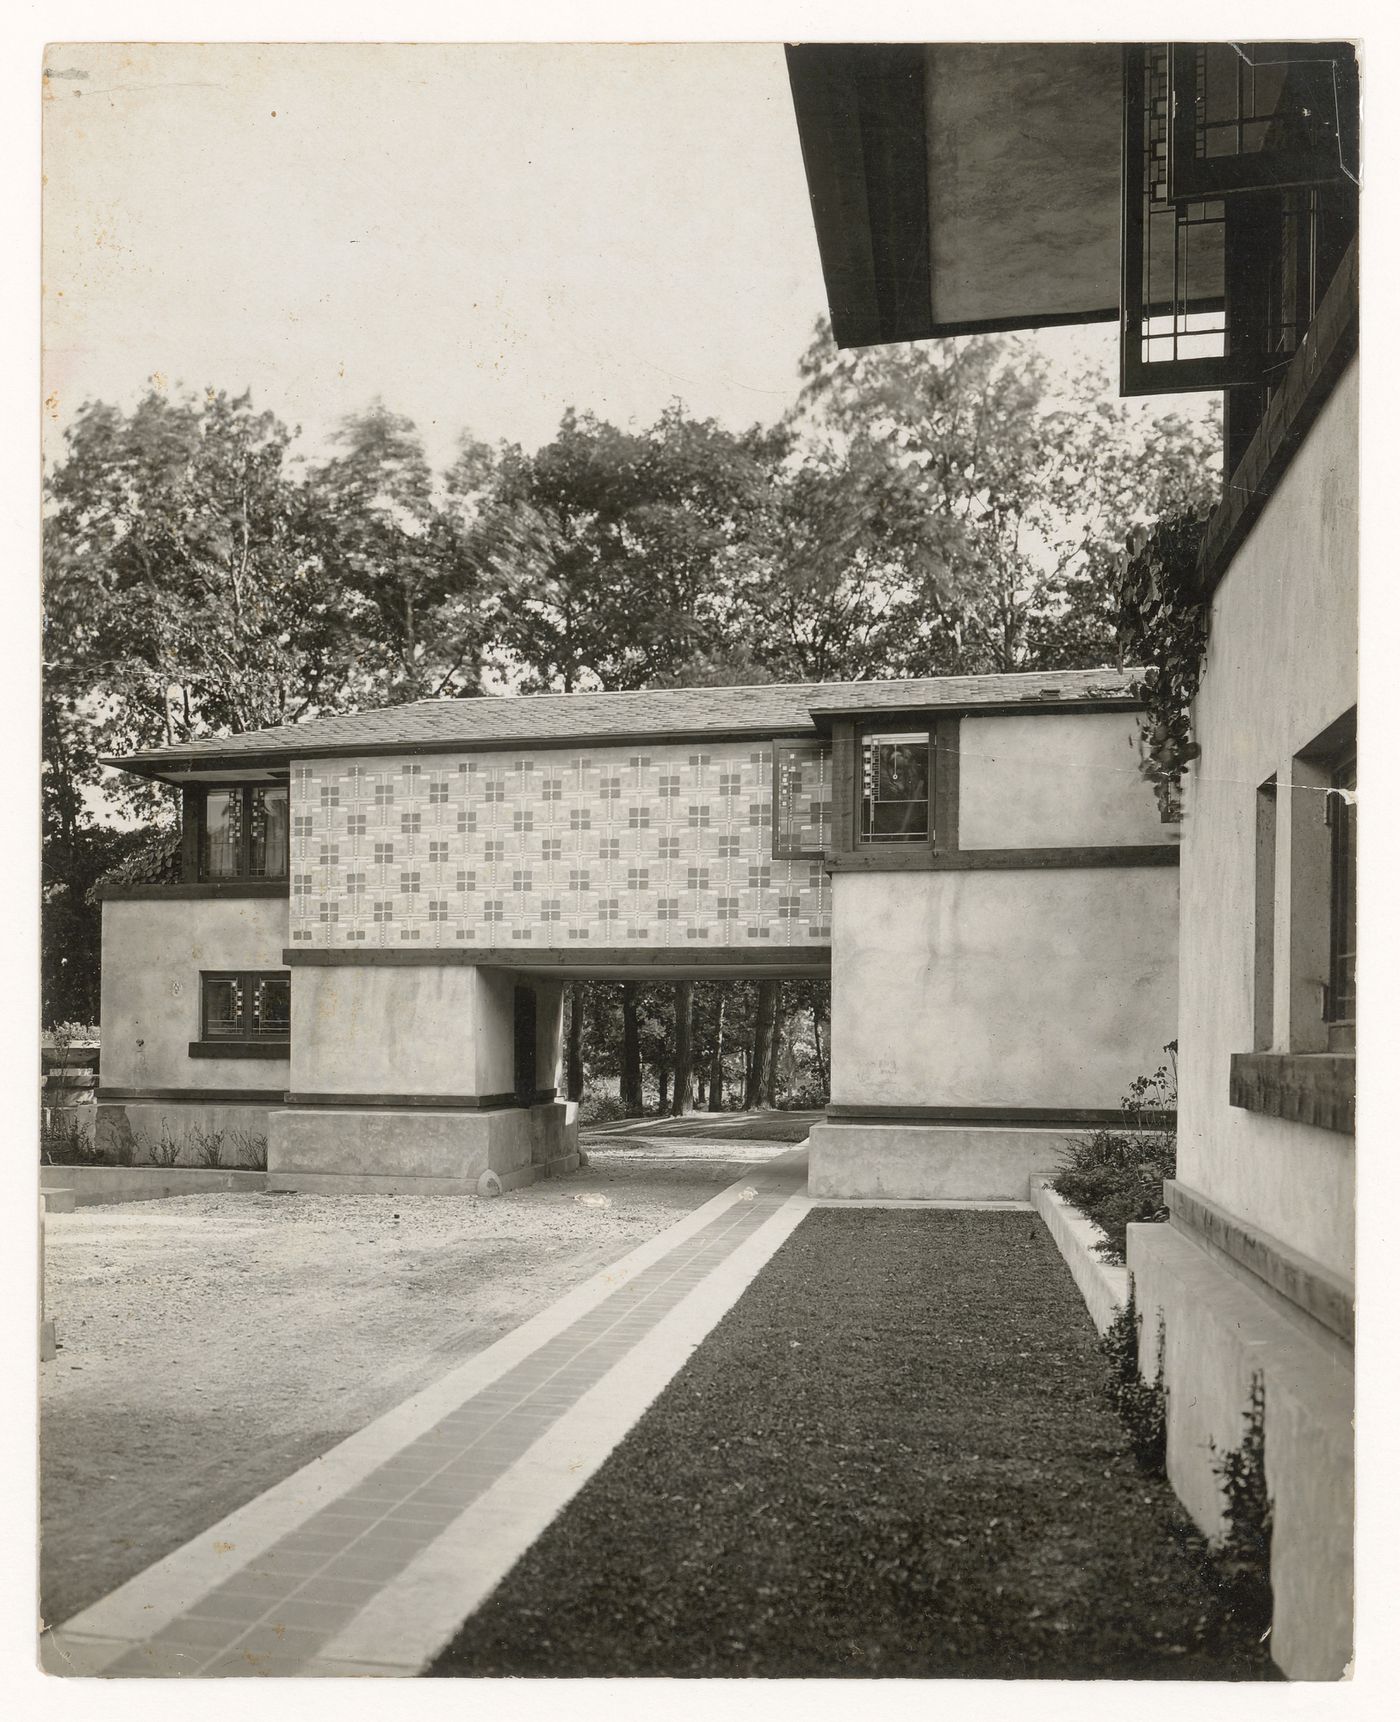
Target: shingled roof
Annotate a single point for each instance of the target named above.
(545, 719)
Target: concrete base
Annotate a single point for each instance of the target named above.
(930, 1162)
(418, 1150)
(1222, 1328)
(48, 1342)
(1103, 1285)
(58, 1201)
(101, 1186)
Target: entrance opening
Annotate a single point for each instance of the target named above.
(525, 1042)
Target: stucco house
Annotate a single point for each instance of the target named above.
(363, 954)
(1205, 197)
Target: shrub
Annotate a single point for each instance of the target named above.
(601, 1109)
(1140, 1404)
(207, 1146)
(1241, 1557)
(1115, 1176)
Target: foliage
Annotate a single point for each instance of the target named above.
(1140, 1404)
(1241, 1558)
(1115, 1176)
(1163, 623)
(601, 1109)
(63, 1141)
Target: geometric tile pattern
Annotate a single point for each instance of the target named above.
(565, 847)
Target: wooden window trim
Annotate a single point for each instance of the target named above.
(850, 852)
(193, 830)
(246, 1044)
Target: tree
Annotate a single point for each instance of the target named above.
(625, 540)
(682, 1100)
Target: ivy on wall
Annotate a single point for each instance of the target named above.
(1162, 624)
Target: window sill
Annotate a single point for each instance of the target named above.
(240, 1049)
(1317, 1088)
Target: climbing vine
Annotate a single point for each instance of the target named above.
(1242, 1555)
(1162, 624)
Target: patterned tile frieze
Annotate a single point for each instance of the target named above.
(566, 847)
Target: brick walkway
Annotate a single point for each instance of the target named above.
(369, 1559)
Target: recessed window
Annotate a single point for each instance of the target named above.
(243, 832)
(1341, 983)
(895, 782)
(246, 1006)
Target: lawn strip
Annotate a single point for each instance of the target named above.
(891, 1458)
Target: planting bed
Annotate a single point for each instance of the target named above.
(891, 1458)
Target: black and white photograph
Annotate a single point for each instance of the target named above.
(702, 878)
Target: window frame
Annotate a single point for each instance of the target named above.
(196, 816)
(1192, 177)
(248, 1042)
(818, 745)
(849, 851)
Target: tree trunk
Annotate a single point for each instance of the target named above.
(716, 1097)
(574, 1076)
(661, 1081)
(762, 1044)
(631, 1053)
(775, 1044)
(821, 1056)
(681, 1100)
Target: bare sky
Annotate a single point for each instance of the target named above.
(481, 235)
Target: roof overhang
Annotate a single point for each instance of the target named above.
(962, 188)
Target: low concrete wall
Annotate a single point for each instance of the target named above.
(1220, 1332)
(425, 1150)
(1103, 1285)
(100, 1186)
(929, 1162)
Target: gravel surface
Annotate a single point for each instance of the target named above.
(210, 1345)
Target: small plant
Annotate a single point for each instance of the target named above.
(249, 1149)
(1141, 1404)
(207, 1146)
(1241, 1557)
(165, 1150)
(64, 1142)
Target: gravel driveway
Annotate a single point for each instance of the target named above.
(211, 1345)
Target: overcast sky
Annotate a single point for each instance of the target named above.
(481, 235)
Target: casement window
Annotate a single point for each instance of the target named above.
(241, 831)
(801, 799)
(244, 1013)
(896, 782)
(1239, 201)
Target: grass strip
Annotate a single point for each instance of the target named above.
(892, 1458)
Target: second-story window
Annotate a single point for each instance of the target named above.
(895, 782)
(243, 832)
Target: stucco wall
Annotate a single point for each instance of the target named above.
(1046, 781)
(1046, 988)
(605, 846)
(1281, 666)
(412, 1030)
(152, 956)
